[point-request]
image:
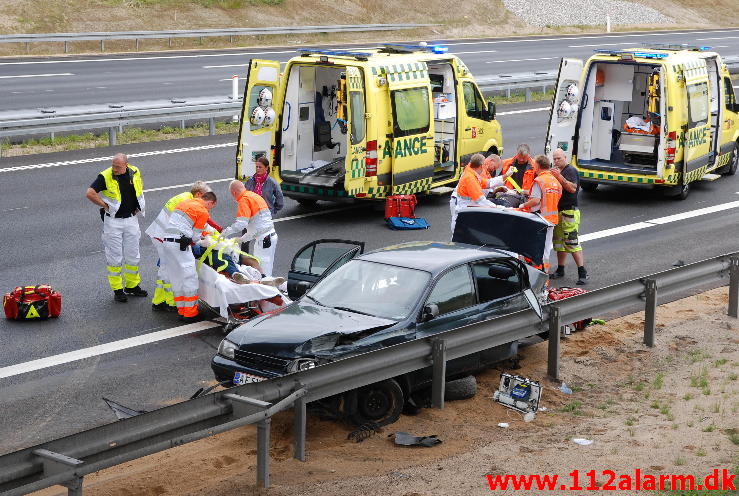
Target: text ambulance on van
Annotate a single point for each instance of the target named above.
(339, 124)
(662, 115)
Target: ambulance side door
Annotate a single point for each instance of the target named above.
(259, 119)
(474, 118)
(730, 122)
(697, 154)
(357, 135)
(563, 114)
(410, 146)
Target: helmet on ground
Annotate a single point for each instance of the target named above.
(265, 98)
(257, 116)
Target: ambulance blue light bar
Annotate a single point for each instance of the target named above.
(336, 53)
(629, 55)
(439, 49)
(648, 55)
(400, 48)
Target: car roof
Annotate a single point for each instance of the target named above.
(431, 256)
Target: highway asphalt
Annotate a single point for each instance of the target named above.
(52, 235)
(101, 79)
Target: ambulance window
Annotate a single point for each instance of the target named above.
(698, 104)
(473, 102)
(411, 111)
(358, 122)
(730, 99)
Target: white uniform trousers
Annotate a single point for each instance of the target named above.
(163, 291)
(121, 243)
(180, 271)
(266, 256)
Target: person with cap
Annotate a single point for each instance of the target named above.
(543, 199)
(566, 238)
(523, 167)
(119, 192)
(185, 227)
(265, 186)
(253, 214)
(163, 299)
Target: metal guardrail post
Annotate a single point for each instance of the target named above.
(555, 324)
(650, 311)
(734, 286)
(55, 463)
(112, 136)
(263, 452)
(102, 45)
(528, 94)
(212, 126)
(66, 47)
(438, 383)
(300, 415)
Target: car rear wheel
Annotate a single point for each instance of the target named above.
(380, 403)
(730, 168)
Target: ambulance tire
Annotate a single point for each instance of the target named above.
(307, 202)
(684, 191)
(589, 187)
(730, 168)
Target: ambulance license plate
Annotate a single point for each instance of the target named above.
(241, 378)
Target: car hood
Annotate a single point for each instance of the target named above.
(504, 229)
(293, 331)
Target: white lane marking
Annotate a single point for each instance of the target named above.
(102, 349)
(659, 221)
(720, 38)
(602, 44)
(72, 356)
(185, 185)
(313, 214)
(37, 75)
(221, 66)
(103, 159)
(525, 111)
(519, 60)
(13, 209)
(126, 59)
(479, 51)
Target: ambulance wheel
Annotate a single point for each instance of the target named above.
(684, 191)
(307, 202)
(380, 403)
(589, 187)
(730, 168)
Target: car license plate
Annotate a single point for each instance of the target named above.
(241, 378)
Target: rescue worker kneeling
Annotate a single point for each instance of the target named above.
(472, 187)
(185, 226)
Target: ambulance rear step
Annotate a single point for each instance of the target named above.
(710, 177)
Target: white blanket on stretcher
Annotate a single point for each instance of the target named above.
(219, 292)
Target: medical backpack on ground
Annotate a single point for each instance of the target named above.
(406, 223)
(556, 294)
(32, 303)
(400, 206)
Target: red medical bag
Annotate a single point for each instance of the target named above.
(400, 206)
(32, 302)
(556, 294)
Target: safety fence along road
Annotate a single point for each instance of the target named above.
(67, 460)
(198, 33)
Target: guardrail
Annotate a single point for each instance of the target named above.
(198, 33)
(66, 461)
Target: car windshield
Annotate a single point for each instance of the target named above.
(372, 288)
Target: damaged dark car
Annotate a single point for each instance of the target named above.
(351, 303)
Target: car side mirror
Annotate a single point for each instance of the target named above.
(501, 272)
(491, 111)
(300, 288)
(430, 312)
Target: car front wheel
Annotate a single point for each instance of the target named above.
(380, 403)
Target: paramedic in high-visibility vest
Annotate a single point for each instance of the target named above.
(119, 192)
(163, 299)
(252, 214)
(186, 224)
(521, 169)
(470, 191)
(543, 199)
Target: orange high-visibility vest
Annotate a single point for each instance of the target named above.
(195, 210)
(470, 187)
(551, 192)
(249, 204)
(528, 176)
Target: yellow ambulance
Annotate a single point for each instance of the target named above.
(338, 124)
(657, 116)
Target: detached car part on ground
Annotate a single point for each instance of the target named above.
(353, 303)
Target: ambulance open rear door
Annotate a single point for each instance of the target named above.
(356, 169)
(412, 144)
(259, 115)
(565, 108)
